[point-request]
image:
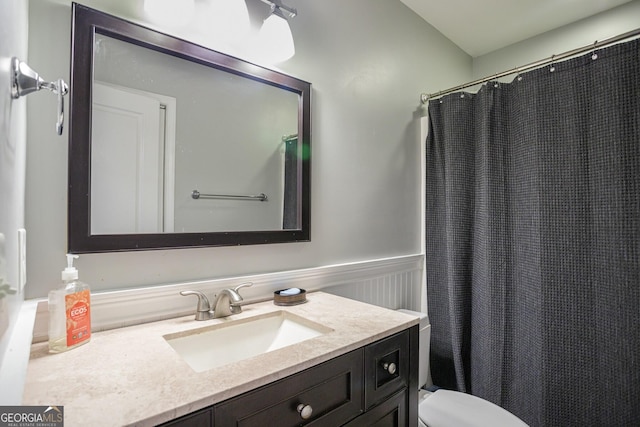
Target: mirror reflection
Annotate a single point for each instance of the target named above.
(163, 127)
(175, 145)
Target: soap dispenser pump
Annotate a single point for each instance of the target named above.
(69, 311)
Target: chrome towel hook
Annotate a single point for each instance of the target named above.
(25, 80)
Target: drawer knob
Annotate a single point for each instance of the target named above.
(390, 367)
(305, 411)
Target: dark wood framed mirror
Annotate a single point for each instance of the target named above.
(230, 157)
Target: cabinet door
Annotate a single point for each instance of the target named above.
(329, 394)
(391, 413)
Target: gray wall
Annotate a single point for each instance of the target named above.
(582, 33)
(368, 61)
(13, 42)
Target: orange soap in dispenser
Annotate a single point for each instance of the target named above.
(69, 311)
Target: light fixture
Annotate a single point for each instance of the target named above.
(170, 13)
(224, 21)
(275, 36)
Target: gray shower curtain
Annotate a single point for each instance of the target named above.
(533, 241)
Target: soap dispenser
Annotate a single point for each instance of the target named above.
(69, 311)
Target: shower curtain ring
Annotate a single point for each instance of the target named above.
(553, 66)
(594, 56)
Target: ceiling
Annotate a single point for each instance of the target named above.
(482, 26)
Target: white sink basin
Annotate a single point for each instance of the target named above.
(220, 344)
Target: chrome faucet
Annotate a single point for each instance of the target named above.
(227, 302)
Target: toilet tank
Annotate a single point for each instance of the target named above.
(424, 374)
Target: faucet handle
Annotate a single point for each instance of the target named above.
(243, 285)
(236, 307)
(203, 304)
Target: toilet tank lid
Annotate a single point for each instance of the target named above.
(424, 319)
(447, 408)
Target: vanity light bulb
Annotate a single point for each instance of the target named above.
(276, 39)
(225, 21)
(170, 13)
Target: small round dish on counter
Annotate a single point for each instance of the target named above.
(290, 296)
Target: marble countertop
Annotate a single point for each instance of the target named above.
(132, 376)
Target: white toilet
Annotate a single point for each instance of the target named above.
(446, 408)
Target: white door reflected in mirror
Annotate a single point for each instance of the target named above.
(133, 139)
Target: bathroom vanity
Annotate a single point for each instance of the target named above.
(359, 370)
(365, 387)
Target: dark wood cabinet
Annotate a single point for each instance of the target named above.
(202, 418)
(327, 394)
(387, 365)
(390, 413)
(375, 385)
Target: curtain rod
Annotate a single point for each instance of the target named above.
(425, 97)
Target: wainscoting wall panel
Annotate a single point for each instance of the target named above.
(394, 290)
(389, 282)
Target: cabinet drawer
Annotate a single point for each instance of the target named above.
(197, 419)
(331, 390)
(386, 368)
